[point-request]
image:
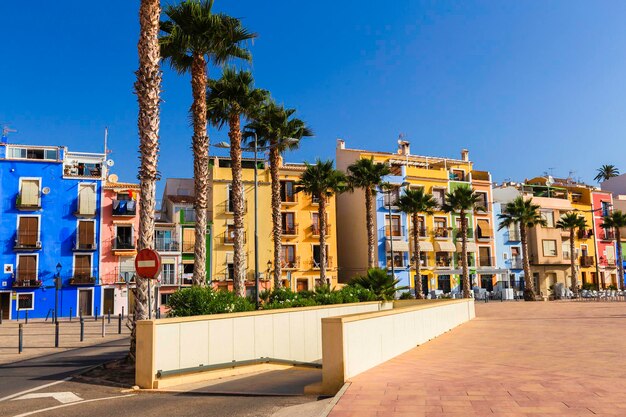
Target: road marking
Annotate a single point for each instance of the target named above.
(62, 397)
(34, 389)
(30, 413)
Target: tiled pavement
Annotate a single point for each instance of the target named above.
(514, 359)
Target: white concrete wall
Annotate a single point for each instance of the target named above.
(291, 334)
(369, 342)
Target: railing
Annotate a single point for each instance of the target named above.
(27, 241)
(606, 262)
(443, 261)
(122, 275)
(228, 206)
(607, 235)
(315, 263)
(168, 279)
(123, 244)
(78, 245)
(586, 261)
(289, 199)
(123, 208)
(470, 233)
(584, 234)
(189, 215)
(290, 263)
(290, 229)
(229, 237)
(441, 232)
(390, 200)
(82, 279)
(166, 245)
(398, 262)
(26, 283)
(471, 261)
(514, 235)
(516, 263)
(480, 175)
(396, 232)
(421, 232)
(486, 261)
(315, 229)
(22, 206)
(86, 170)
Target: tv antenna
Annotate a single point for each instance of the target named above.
(5, 133)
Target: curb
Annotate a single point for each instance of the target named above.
(209, 393)
(335, 400)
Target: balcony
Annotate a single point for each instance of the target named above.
(390, 200)
(315, 229)
(121, 275)
(119, 244)
(84, 246)
(470, 233)
(24, 205)
(586, 261)
(514, 236)
(166, 245)
(516, 263)
(471, 261)
(227, 206)
(121, 208)
(26, 283)
(396, 232)
(168, 279)
(229, 237)
(441, 232)
(290, 264)
(398, 262)
(584, 234)
(288, 200)
(442, 261)
(26, 241)
(607, 234)
(188, 246)
(315, 262)
(486, 261)
(290, 230)
(81, 278)
(422, 232)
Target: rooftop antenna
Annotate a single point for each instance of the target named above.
(5, 133)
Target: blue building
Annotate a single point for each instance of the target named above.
(509, 248)
(50, 224)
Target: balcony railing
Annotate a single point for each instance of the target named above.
(586, 261)
(421, 232)
(20, 205)
(396, 232)
(398, 262)
(584, 234)
(189, 246)
(124, 208)
(390, 200)
(315, 229)
(514, 235)
(122, 275)
(83, 279)
(443, 261)
(169, 279)
(84, 246)
(229, 237)
(289, 199)
(123, 244)
(289, 264)
(290, 230)
(607, 234)
(441, 232)
(486, 261)
(471, 261)
(166, 245)
(315, 262)
(27, 241)
(26, 283)
(470, 233)
(516, 263)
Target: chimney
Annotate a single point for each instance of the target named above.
(404, 147)
(465, 155)
(341, 144)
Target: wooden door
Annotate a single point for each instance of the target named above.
(109, 301)
(84, 302)
(86, 234)
(5, 305)
(302, 285)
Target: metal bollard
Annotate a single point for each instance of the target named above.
(119, 324)
(103, 331)
(82, 329)
(56, 334)
(96, 316)
(70, 314)
(18, 316)
(1, 316)
(26, 317)
(122, 312)
(158, 313)
(109, 317)
(21, 338)
(80, 314)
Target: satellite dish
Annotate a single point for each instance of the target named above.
(45, 190)
(110, 162)
(550, 180)
(112, 178)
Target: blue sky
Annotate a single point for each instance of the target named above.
(527, 86)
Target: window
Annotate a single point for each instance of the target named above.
(398, 259)
(439, 195)
(515, 252)
(390, 197)
(168, 277)
(230, 202)
(28, 233)
(287, 192)
(188, 268)
(457, 175)
(87, 199)
(229, 234)
(82, 266)
(605, 208)
(396, 225)
(289, 256)
(484, 256)
(189, 239)
(86, 235)
(124, 237)
(289, 223)
(122, 197)
(565, 248)
(33, 153)
(443, 283)
(483, 229)
(165, 299)
(315, 224)
(421, 226)
(29, 193)
(317, 256)
(443, 259)
(27, 267)
(548, 216)
(483, 200)
(163, 240)
(441, 227)
(25, 301)
(549, 247)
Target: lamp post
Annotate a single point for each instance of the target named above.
(255, 148)
(57, 285)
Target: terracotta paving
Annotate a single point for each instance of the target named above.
(514, 359)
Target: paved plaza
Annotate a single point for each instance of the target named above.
(514, 359)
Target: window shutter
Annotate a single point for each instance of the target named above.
(27, 268)
(30, 192)
(87, 200)
(28, 231)
(82, 264)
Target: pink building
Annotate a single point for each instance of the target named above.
(120, 225)
(602, 205)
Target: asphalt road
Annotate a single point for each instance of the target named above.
(31, 373)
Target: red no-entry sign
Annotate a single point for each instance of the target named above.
(148, 263)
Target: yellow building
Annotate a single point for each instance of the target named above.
(300, 260)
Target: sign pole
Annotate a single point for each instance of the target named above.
(149, 301)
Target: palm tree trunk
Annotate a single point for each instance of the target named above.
(416, 255)
(465, 271)
(239, 280)
(277, 223)
(321, 215)
(572, 248)
(620, 263)
(148, 89)
(529, 286)
(200, 165)
(371, 233)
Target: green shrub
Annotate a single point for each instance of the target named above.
(197, 301)
(589, 286)
(379, 282)
(407, 296)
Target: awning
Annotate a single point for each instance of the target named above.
(471, 247)
(487, 271)
(188, 262)
(448, 271)
(426, 246)
(485, 228)
(398, 246)
(445, 246)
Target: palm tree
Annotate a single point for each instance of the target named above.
(463, 200)
(368, 175)
(572, 222)
(605, 172)
(377, 280)
(322, 181)
(524, 213)
(229, 98)
(148, 89)
(191, 37)
(616, 220)
(414, 203)
(272, 126)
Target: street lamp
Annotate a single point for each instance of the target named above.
(57, 285)
(256, 149)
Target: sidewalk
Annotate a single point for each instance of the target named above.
(39, 337)
(514, 359)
